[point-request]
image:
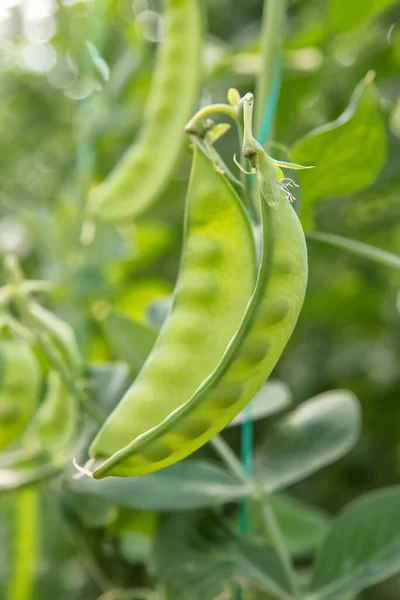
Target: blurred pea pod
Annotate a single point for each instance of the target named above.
(54, 425)
(145, 168)
(19, 387)
(60, 334)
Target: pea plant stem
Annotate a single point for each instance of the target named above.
(275, 535)
(207, 111)
(230, 459)
(87, 113)
(269, 520)
(90, 408)
(270, 42)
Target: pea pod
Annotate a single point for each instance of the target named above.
(145, 168)
(215, 283)
(19, 386)
(60, 333)
(252, 353)
(54, 425)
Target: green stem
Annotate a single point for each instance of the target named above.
(230, 459)
(89, 560)
(207, 111)
(275, 535)
(377, 255)
(91, 409)
(270, 42)
(27, 541)
(271, 524)
(87, 112)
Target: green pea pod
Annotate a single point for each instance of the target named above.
(61, 336)
(19, 387)
(215, 283)
(54, 425)
(250, 356)
(146, 167)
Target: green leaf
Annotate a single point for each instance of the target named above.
(136, 531)
(273, 397)
(16, 478)
(130, 340)
(93, 511)
(199, 558)
(347, 15)
(347, 153)
(187, 485)
(302, 526)
(361, 549)
(377, 255)
(108, 383)
(316, 434)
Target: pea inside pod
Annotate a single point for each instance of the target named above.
(249, 358)
(214, 286)
(19, 387)
(145, 168)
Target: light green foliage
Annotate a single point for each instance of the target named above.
(20, 380)
(347, 15)
(347, 153)
(144, 170)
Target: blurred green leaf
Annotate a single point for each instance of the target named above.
(347, 153)
(273, 397)
(136, 531)
(108, 383)
(93, 511)
(314, 435)
(377, 255)
(187, 485)
(20, 477)
(302, 526)
(130, 340)
(361, 549)
(200, 558)
(347, 15)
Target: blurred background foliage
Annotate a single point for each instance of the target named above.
(73, 85)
